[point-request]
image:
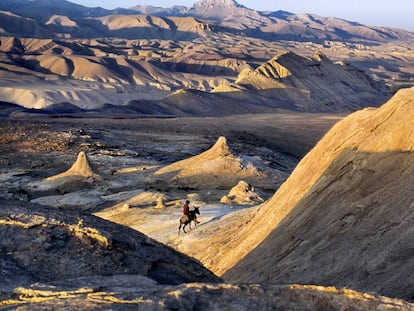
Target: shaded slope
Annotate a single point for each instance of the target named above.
(344, 215)
(48, 244)
(12, 24)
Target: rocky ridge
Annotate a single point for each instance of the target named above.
(125, 293)
(342, 217)
(45, 244)
(229, 15)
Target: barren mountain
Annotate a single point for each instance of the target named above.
(228, 15)
(223, 11)
(58, 52)
(42, 10)
(146, 9)
(288, 81)
(315, 83)
(12, 24)
(342, 218)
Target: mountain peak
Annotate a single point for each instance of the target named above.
(217, 3)
(219, 9)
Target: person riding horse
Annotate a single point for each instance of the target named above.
(186, 211)
(188, 216)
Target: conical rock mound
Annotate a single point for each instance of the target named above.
(219, 149)
(78, 177)
(343, 217)
(242, 194)
(217, 167)
(81, 167)
(142, 199)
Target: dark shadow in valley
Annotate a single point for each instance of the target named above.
(202, 69)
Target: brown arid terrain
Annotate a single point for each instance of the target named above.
(53, 54)
(291, 133)
(58, 255)
(342, 217)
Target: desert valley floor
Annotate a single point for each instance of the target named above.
(58, 172)
(122, 151)
(292, 134)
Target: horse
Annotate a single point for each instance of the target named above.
(184, 220)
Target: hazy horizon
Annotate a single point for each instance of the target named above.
(384, 13)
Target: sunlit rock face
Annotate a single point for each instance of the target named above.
(343, 217)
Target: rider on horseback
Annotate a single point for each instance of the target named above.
(186, 211)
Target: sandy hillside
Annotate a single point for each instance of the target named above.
(342, 217)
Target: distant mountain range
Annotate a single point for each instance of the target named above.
(224, 57)
(57, 18)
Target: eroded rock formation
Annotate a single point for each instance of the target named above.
(344, 215)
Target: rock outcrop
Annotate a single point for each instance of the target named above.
(132, 293)
(81, 168)
(79, 176)
(216, 167)
(43, 244)
(344, 215)
(223, 10)
(242, 194)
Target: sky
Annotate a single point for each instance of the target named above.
(387, 13)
